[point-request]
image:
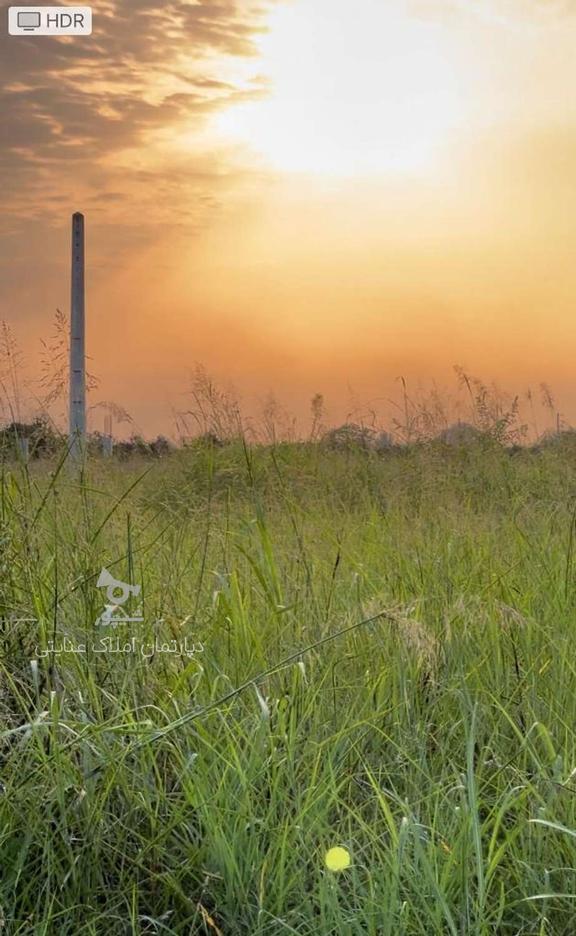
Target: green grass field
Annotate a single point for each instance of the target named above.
(385, 660)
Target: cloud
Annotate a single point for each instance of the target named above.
(82, 116)
(506, 13)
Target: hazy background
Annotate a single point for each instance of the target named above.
(304, 196)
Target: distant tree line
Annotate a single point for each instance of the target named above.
(40, 439)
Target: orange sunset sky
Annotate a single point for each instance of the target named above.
(303, 196)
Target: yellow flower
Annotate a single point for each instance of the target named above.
(337, 859)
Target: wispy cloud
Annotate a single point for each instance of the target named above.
(83, 117)
(516, 14)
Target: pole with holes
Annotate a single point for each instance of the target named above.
(77, 343)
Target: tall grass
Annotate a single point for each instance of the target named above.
(387, 665)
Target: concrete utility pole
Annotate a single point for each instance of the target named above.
(77, 342)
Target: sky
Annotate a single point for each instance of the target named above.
(302, 196)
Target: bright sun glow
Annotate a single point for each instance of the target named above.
(358, 88)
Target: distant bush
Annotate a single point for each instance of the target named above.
(461, 434)
(42, 439)
(565, 440)
(160, 446)
(349, 436)
(137, 445)
(205, 440)
(384, 441)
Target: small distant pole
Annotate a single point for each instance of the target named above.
(107, 440)
(77, 422)
(24, 449)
